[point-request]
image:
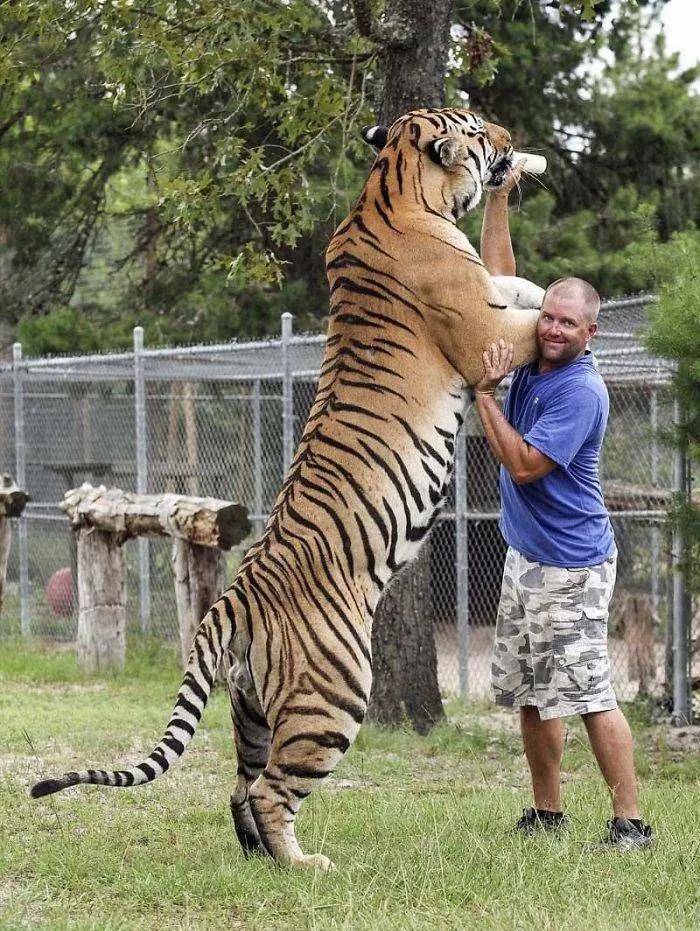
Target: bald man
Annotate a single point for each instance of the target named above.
(550, 654)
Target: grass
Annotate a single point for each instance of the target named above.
(419, 828)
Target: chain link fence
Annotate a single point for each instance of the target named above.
(223, 420)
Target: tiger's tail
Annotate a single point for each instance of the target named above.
(210, 642)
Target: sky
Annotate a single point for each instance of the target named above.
(682, 27)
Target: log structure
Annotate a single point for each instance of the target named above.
(12, 503)
(103, 519)
(206, 521)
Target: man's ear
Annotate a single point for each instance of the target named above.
(444, 152)
(375, 136)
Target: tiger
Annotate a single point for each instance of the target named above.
(412, 307)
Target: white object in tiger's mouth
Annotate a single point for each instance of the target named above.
(535, 164)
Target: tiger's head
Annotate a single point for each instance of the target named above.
(443, 160)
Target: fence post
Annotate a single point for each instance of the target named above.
(257, 458)
(287, 394)
(655, 533)
(462, 558)
(21, 479)
(142, 476)
(681, 603)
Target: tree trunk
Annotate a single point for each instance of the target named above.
(413, 70)
(413, 38)
(640, 626)
(404, 660)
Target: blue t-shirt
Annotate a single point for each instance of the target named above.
(560, 519)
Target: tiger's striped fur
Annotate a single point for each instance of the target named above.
(412, 308)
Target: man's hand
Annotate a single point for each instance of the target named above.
(498, 360)
(510, 182)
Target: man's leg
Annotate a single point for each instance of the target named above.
(544, 747)
(611, 740)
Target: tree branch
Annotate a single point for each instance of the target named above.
(11, 120)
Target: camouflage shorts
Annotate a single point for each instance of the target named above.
(551, 647)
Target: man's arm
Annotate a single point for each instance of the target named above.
(524, 463)
(496, 247)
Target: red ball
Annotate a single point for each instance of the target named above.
(59, 592)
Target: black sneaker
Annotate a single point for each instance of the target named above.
(629, 834)
(539, 819)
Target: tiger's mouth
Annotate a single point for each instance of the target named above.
(499, 172)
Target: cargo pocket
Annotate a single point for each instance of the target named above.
(574, 677)
(583, 669)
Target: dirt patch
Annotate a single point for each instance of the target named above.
(11, 893)
(66, 688)
(681, 738)
(501, 720)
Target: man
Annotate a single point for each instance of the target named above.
(550, 654)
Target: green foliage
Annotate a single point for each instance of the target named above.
(58, 332)
(196, 136)
(182, 165)
(675, 334)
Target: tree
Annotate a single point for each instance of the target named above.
(194, 134)
(674, 333)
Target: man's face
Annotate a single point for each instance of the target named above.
(563, 329)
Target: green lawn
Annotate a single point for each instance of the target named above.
(419, 828)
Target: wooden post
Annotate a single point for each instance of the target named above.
(5, 541)
(12, 503)
(199, 580)
(640, 626)
(191, 439)
(102, 601)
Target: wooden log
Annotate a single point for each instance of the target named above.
(12, 503)
(199, 580)
(623, 496)
(102, 601)
(204, 521)
(5, 543)
(12, 498)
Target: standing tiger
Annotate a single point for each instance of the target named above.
(411, 310)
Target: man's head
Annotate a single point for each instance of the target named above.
(567, 320)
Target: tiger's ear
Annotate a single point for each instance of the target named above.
(375, 136)
(444, 152)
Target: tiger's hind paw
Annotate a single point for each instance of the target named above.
(313, 861)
